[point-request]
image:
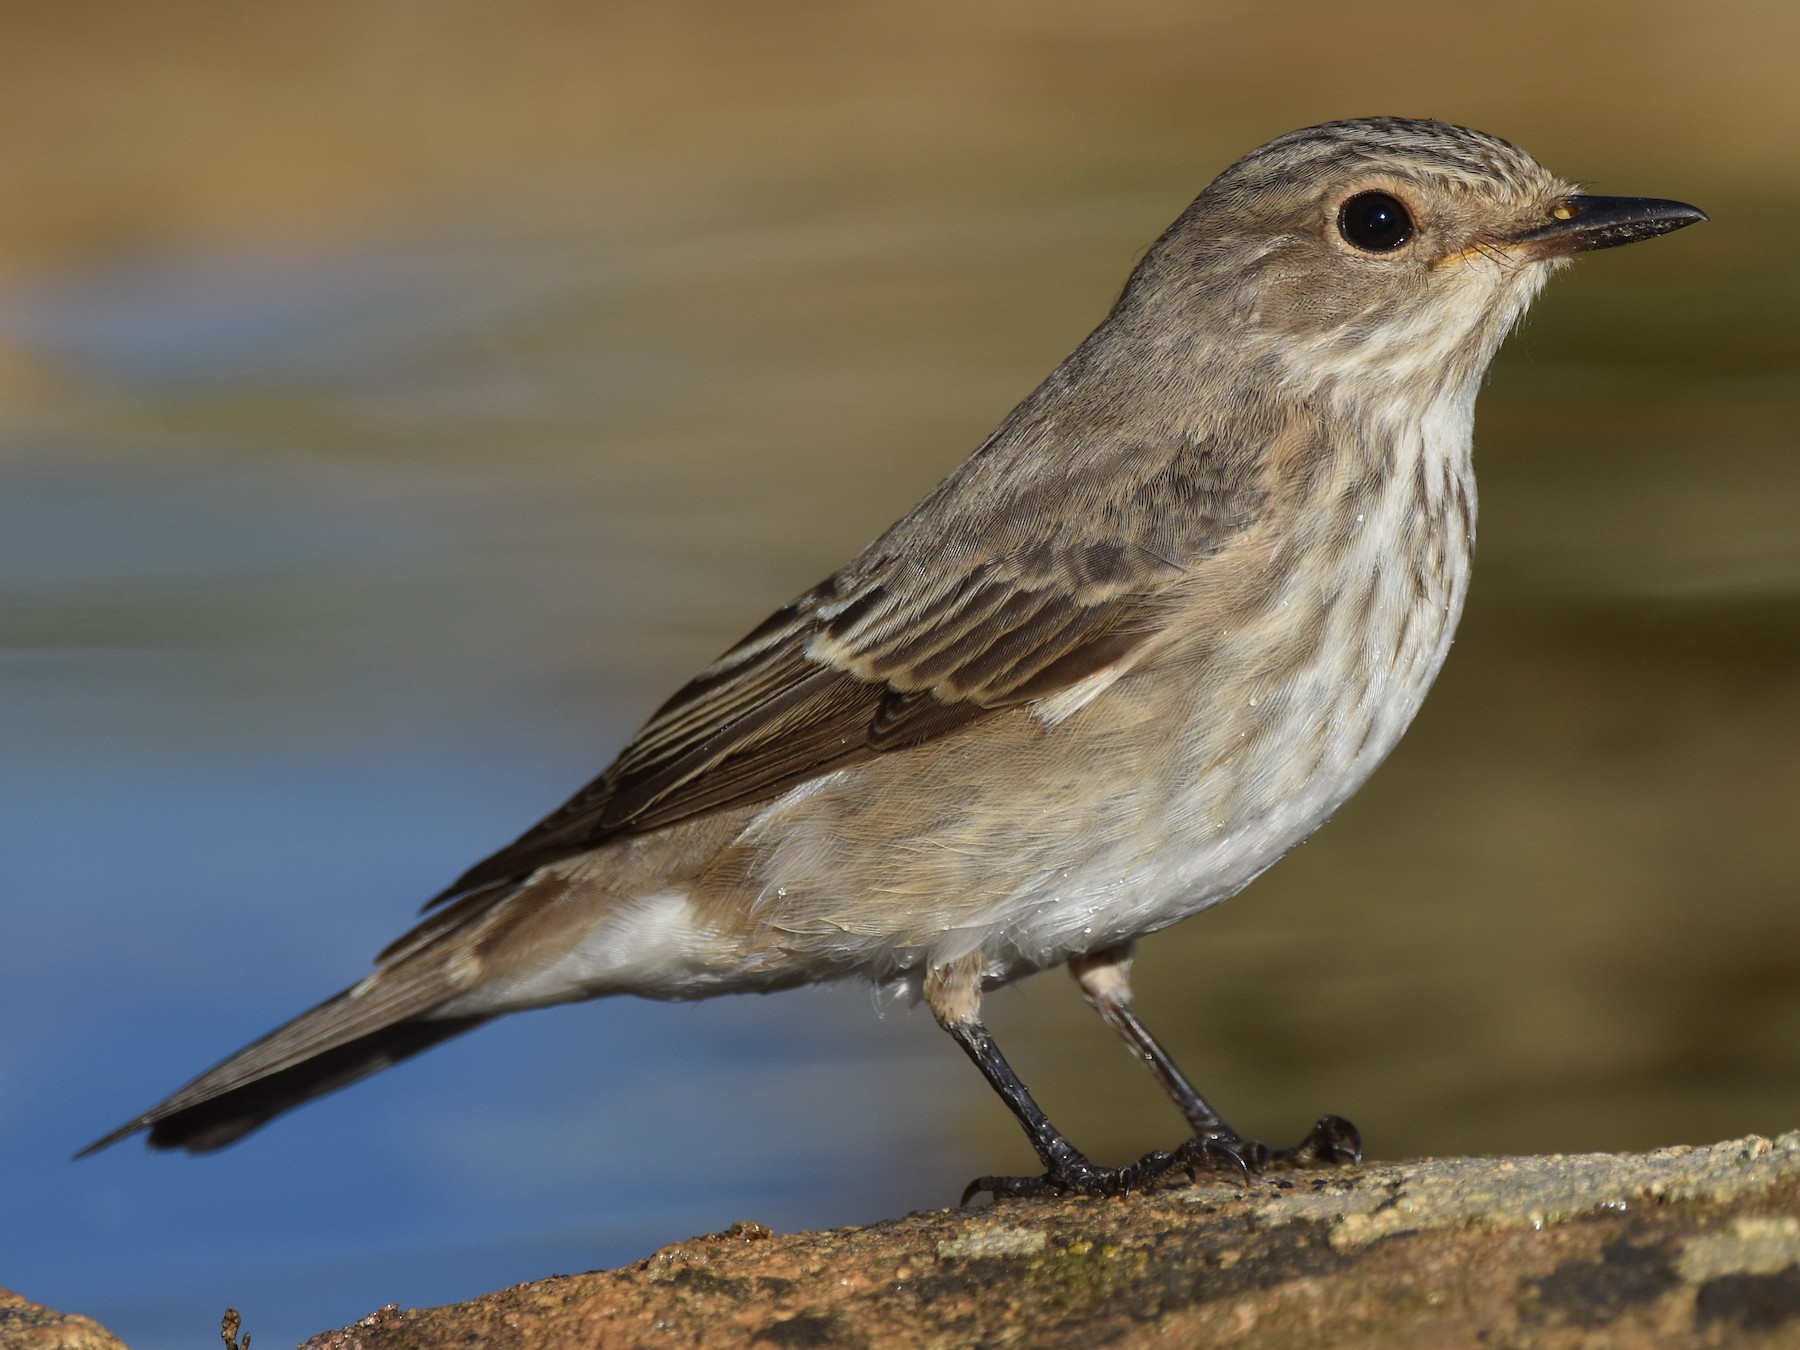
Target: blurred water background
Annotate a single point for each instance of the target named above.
(398, 399)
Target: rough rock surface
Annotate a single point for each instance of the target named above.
(25, 1325)
(1680, 1247)
(1683, 1246)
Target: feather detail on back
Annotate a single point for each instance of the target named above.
(885, 655)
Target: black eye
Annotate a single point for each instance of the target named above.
(1374, 222)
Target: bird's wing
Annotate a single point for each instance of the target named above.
(943, 621)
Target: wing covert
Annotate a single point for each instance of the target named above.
(951, 616)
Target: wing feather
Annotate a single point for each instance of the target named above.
(921, 636)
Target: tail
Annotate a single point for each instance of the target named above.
(224, 1105)
(383, 1020)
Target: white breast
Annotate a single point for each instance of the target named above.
(1323, 728)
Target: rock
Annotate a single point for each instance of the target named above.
(25, 1325)
(1683, 1246)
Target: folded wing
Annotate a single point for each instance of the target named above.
(889, 654)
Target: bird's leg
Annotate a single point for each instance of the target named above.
(954, 995)
(1105, 979)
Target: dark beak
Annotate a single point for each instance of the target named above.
(1582, 224)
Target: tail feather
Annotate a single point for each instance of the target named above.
(224, 1117)
(349, 1036)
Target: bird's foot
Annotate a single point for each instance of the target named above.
(1078, 1176)
(1332, 1142)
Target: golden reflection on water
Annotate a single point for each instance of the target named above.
(766, 272)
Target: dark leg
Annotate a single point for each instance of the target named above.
(1105, 978)
(1066, 1168)
(954, 994)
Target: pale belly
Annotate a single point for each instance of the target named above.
(1034, 839)
(1163, 797)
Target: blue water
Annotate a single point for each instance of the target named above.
(169, 913)
(292, 628)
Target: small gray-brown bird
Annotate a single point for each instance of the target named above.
(1142, 643)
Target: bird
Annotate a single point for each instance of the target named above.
(1160, 625)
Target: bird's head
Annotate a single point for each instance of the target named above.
(1390, 252)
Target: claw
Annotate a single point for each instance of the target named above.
(1008, 1188)
(1203, 1153)
(1079, 1178)
(1332, 1142)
